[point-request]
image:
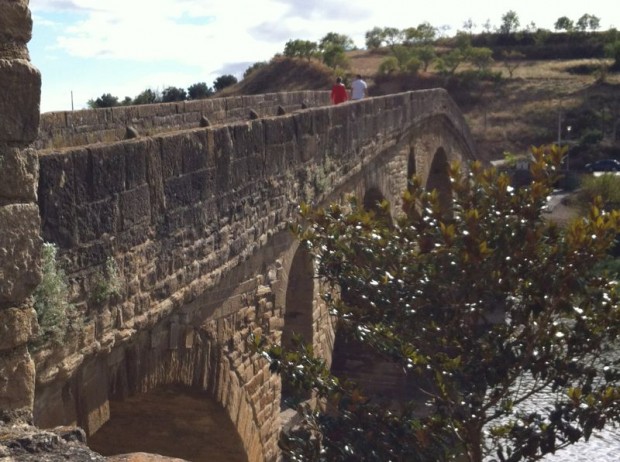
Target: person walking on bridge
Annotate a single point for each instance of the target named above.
(359, 89)
(339, 92)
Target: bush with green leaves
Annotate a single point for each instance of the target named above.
(107, 284)
(484, 301)
(51, 299)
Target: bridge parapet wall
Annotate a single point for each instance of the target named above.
(105, 125)
(199, 200)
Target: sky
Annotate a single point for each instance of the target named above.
(85, 48)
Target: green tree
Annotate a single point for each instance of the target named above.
(424, 33)
(148, 96)
(510, 23)
(224, 81)
(393, 36)
(374, 38)
(612, 51)
(388, 65)
(332, 39)
(199, 90)
(426, 54)
(481, 57)
(449, 62)
(588, 22)
(105, 100)
(407, 58)
(484, 301)
(469, 25)
(300, 49)
(564, 23)
(334, 56)
(171, 94)
(512, 59)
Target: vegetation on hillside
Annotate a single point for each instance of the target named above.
(484, 303)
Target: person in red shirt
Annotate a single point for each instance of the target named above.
(339, 92)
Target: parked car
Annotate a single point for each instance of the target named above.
(604, 165)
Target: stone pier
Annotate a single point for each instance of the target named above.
(20, 240)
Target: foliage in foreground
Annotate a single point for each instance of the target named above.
(485, 301)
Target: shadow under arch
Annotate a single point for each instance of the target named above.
(299, 297)
(439, 178)
(379, 377)
(411, 167)
(173, 420)
(298, 311)
(371, 202)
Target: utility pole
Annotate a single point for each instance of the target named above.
(71, 100)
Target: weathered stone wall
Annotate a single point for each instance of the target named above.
(190, 229)
(76, 128)
(20, 240)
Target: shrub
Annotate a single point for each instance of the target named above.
(388, 65)
(590, 137)
(108, 284)
(51, 299)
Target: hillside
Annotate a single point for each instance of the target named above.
(283, 74)
(506, 115)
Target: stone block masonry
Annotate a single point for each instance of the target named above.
(194, 224)
(20, 240)
(105, 125)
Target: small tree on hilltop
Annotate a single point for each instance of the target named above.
(485, 302)
(564, 23)
(374, 38)
(332, 39)
(105, 100)
(171, 94)
(148, 96)
(199, 90)
(588, 22)
(301, 49)
(224, 81)
(510, 23)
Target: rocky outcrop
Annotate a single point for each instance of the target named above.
(21, 442)
(25, 443)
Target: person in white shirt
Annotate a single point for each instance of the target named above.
(358, 88)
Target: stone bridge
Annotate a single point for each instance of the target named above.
(172, 226)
